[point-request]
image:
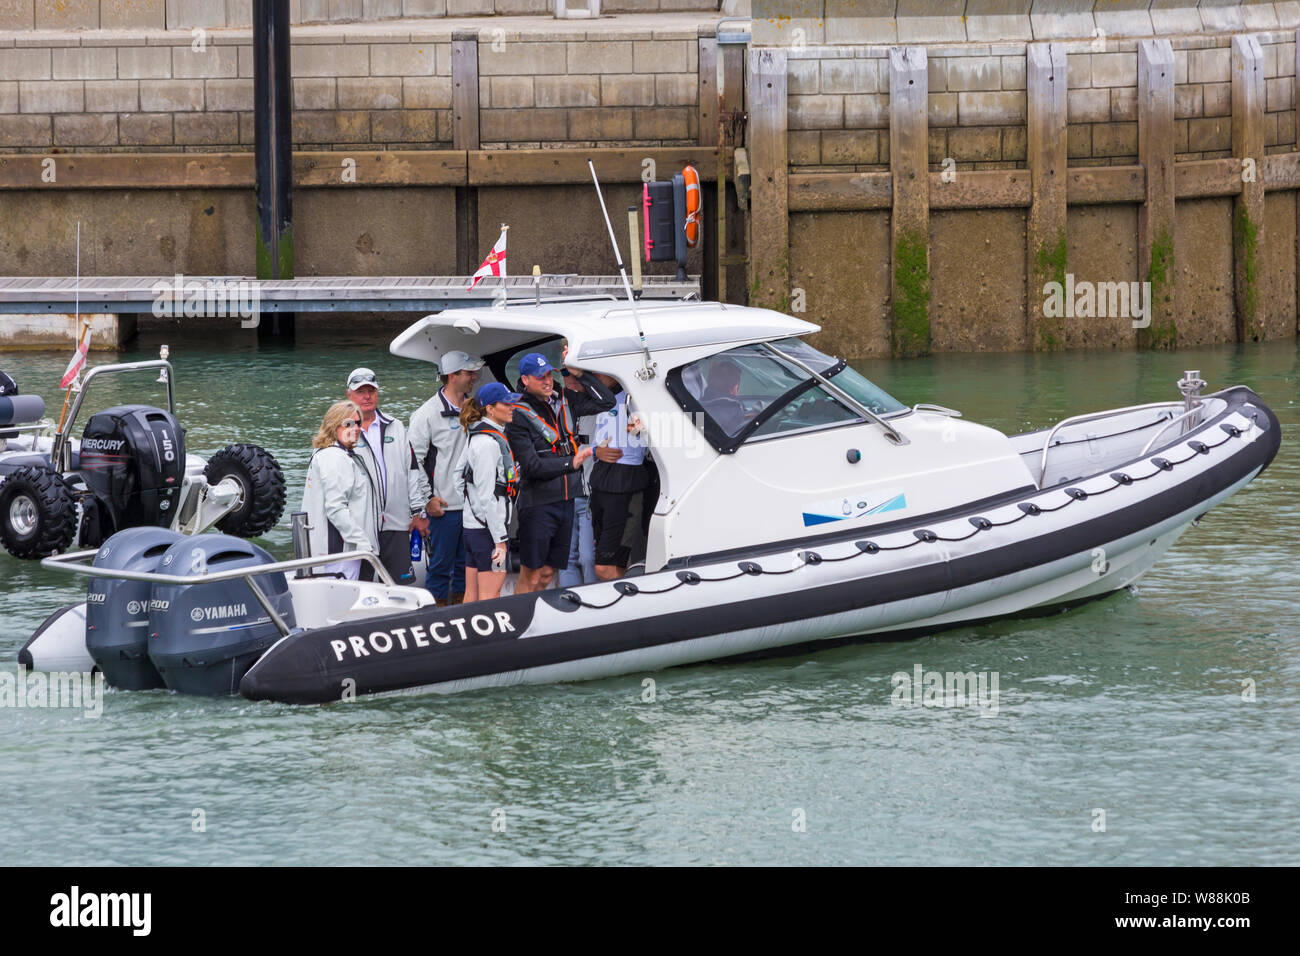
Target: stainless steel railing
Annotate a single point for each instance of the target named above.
(72, 562)
(1190, 413)
(61, 439)
(1093, 416)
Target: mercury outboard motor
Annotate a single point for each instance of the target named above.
(117, 612)
(133, 460)
(203, 637)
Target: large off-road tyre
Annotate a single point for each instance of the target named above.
(38, 513)
(262, 483)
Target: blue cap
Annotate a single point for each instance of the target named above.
(534, 364)
(494, 392)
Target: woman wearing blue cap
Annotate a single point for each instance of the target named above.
(487, 479)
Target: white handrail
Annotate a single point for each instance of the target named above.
(70, 562)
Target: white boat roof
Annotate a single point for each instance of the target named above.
(594, 329)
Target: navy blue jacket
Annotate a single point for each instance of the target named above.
(546, 466)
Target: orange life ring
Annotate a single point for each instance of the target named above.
(694, 206)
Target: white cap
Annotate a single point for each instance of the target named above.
(457, 361)
(360, 377)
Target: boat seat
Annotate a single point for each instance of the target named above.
(326, 601)
(13, 462)
(728, 412)
(21, 409)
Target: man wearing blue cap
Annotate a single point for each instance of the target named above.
(542, 437)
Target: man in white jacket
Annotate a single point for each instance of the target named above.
(404, 492)
(438, 441)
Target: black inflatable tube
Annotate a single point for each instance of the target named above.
(303, 668)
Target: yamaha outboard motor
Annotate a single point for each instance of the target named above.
(117, 611)
(203, 637)
(133, 460)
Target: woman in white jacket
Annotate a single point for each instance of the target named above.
(340, 499)
(487, 477)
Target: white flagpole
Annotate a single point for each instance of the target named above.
(76, 382)
(648, 372)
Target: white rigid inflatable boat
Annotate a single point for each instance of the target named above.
(806, 507)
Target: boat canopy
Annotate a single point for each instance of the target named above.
(594, 330)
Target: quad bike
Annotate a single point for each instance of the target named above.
(129, 469)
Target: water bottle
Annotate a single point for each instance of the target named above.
(417, 544)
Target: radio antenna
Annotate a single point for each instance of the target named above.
(648, 372)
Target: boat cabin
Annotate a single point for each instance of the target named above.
(759, 438)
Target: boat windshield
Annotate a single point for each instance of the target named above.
(749, 393)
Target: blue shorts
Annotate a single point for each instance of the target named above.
(478, 549)
(545, 532)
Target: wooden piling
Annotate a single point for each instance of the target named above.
(465, 135)
(707, 104)
(1045, 232)
(731, 233)
(909, 271)
(1248, 207)
(1156, 214)
(708, 87)
(769, 243)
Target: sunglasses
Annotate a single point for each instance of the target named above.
(349, 423)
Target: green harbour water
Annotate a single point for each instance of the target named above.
(1132, 705)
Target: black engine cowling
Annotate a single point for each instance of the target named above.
(133, 461)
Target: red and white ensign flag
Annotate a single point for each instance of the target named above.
(495, 263)
(78, 359)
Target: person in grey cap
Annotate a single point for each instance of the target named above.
(404, 492)
(438, 441)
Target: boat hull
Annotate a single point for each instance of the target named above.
(1055, 546)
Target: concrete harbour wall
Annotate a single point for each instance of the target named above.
(188, 14)
(918, 171)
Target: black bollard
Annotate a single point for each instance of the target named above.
(273, 117)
